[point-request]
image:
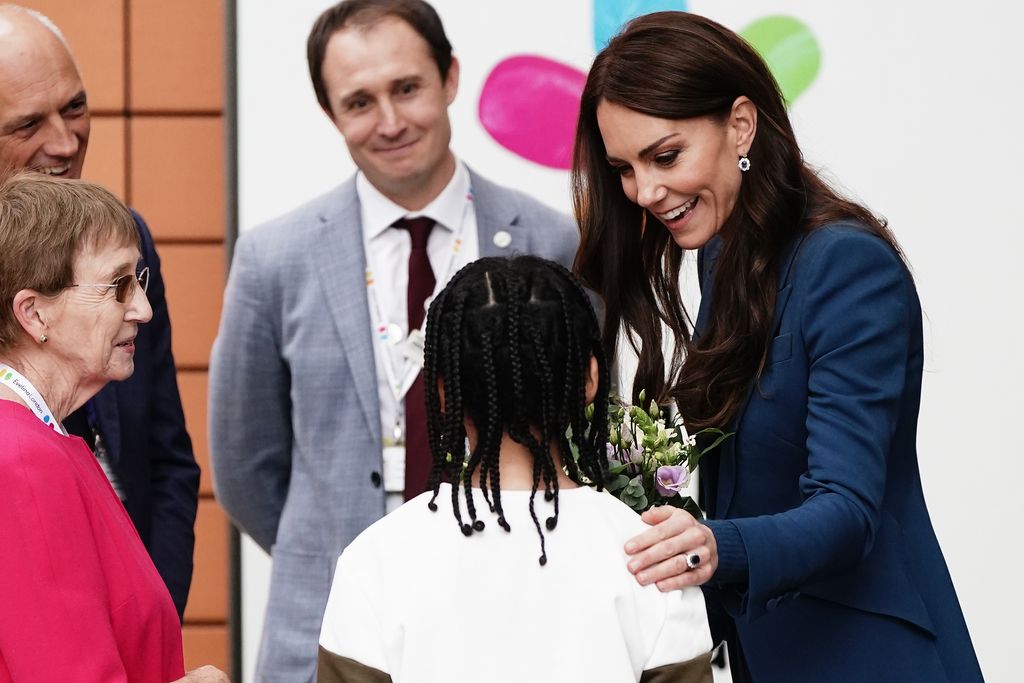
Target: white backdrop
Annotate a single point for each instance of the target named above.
(915, 110)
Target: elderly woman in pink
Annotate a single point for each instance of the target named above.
(80, 600)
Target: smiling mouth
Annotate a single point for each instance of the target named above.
(54, 170)
(126, 343)
(679, 211)
(396, 148)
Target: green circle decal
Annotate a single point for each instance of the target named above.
(789, 48)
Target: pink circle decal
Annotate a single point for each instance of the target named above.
(529, 105)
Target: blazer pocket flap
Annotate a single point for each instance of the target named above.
(879, 584)
(781, 299)
(782, 348)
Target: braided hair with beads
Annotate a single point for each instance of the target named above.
(510, 342)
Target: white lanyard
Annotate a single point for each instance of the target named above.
(15, 380)
(387, 334)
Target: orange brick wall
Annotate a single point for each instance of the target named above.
(154, 73)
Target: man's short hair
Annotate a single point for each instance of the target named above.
(420, 15)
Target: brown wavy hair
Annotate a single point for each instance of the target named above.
(678, 65)
(45, 224)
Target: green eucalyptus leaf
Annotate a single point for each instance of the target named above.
(639, 504)
(620, 481)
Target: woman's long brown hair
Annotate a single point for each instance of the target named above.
(677, 65)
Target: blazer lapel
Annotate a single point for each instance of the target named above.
(341, 267)
(706, 259)
(496, 213)
(709, 472)
(727, 473)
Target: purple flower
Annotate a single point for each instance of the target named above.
(671, 479)
(612, 453)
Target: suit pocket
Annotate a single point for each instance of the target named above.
(879, 584)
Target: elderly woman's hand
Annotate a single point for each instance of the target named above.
(205, 674)
(659, 555)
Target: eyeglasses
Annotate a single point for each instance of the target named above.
(124, 286)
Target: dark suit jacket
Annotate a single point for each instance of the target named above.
(828, 561)
(143, 427)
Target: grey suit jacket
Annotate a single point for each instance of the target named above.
(295, 431)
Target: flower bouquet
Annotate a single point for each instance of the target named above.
(651, 457)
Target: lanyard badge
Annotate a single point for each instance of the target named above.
(35, 401)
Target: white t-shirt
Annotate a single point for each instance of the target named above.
(416, 599)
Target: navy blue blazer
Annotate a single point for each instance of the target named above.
(829, 565)
(143, 426)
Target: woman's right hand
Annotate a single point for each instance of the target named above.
(205, 674)
(659, 555)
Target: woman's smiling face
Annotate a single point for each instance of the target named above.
(683, 171)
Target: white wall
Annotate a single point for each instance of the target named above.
(915, 110)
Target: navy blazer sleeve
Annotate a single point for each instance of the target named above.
(173, 486)
(851, 306)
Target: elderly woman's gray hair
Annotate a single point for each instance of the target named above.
(45, 223)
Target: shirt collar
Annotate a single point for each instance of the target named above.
(447, 209)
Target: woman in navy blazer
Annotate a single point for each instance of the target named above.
(818, 558)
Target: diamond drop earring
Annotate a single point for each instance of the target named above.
(744, 163)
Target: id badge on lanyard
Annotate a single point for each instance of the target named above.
(389, 334)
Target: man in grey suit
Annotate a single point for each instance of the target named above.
(314, 374)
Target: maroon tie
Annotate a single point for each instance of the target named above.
(421, 286)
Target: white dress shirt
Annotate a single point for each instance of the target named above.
(452, 244)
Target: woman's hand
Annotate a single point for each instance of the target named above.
(205, 674)
(659, 555)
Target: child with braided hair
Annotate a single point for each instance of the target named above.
(513, 357)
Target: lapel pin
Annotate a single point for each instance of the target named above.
(502, 239)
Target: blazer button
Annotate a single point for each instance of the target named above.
(375, 479)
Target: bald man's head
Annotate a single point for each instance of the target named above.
(44, 118)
